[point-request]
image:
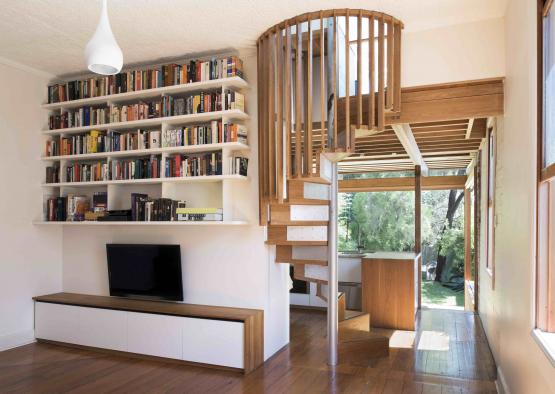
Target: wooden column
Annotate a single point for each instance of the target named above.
(476, 231)
(418, 227)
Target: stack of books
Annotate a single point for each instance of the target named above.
(194, 165)
(200, 214)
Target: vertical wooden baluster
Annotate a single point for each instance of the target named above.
(279, 126)
(263, 144)
(260, 65)
(308, 118)
(390, 72)
(381, 71)
(397, 61)
(359, 70)
(334, 148)
(271, 115)
(288, 150)
(371, 75)
(323, 92)
(347, 86)
(298, 101)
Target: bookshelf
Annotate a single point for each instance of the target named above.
(215, 191)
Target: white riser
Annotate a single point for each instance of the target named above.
(309, 212)
(316, 191)
(316, 272)
(307, 233)
(325, 168)
(310, 252)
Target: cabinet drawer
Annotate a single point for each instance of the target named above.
(102, 328)
(56, 322)
(213, 342)
(155, 335)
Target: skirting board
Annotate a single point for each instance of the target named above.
(501, 383)
(16, 339)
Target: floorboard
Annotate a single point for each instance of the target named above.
(447, 354)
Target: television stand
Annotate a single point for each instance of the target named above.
(201, 334)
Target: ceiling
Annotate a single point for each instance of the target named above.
(450, 144)
(50, 35)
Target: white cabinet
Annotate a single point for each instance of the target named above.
(102, 328)
(207, 341)
(213, 342)
(57, 322)
(155, 335)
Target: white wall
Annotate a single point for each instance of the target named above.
(454, 53)
(228, 266)
(30, 260)
(507, 312)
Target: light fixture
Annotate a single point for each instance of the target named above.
(102, 52)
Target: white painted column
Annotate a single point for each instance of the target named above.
(332, 271)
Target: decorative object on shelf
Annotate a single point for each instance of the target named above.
(102, 53)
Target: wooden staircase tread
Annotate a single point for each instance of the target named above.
(351, 314)
(312, 179)
(298, 223)
(298, 243)
(302, 262)
(304, 201)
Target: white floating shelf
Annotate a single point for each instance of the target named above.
(232, 146)
(189, 223)
(230, 114)
(190, 179)
(231, 82)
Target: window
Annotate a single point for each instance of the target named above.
(545, 248)
(490, 218)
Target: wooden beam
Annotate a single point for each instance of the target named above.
(444, 102)
(401, 184)
(404, 133)
(469, 128)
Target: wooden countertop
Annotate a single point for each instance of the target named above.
(155, 307)
(410, 256)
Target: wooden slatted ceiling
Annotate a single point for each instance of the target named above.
(443, 144)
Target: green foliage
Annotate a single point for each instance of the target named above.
(452, 247)
(377, 221)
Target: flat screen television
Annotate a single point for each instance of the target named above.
(145, 271)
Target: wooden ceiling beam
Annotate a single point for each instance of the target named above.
(441, 102)
(401, 184)
(404, 133)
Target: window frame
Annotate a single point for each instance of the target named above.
(490, 203)
(545, 200)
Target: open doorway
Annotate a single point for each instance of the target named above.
(443, 249)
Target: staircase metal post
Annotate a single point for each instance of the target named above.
(332, 270)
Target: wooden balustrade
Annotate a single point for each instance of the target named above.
(306, 65)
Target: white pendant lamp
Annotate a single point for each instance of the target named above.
(102, 53)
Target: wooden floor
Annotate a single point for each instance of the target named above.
(449, 355)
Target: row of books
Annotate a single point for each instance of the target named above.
(214, 133)
(144, 168)
(145, 209)
(103, 141)
(87, 172)
(97, 141)
(168, 106)
(135, 80)
(75, 208)
(194, 165)
(90, 116)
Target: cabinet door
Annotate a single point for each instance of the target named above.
(155, 335)
(213, 342)
(103, 328)
(57, 322)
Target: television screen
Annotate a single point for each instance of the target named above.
(145, 271)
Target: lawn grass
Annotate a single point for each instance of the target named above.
(434, 294)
